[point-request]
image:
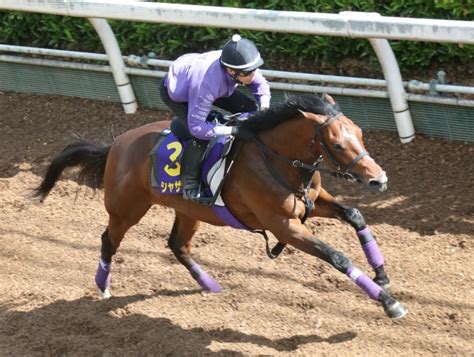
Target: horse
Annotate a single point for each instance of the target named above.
(274, 184)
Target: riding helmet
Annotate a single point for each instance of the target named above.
(241, 54)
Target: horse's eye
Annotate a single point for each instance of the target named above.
(337, 147)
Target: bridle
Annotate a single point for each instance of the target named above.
(307, 172)
(343, 171)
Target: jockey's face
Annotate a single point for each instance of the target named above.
(243, 77)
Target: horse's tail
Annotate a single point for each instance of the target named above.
(89, 158)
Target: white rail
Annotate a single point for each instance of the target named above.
(355, 92)
(357, 25)
(372, 26)
(132, 60)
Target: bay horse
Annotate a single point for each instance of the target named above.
(274, 184)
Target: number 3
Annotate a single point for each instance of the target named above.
(177, 148)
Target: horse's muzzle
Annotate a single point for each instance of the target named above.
(379, 184)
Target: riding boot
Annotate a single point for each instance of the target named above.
(190, 171)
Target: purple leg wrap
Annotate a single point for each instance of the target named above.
(102, 277)
(364, 282)
(371, 249)
(206, 282)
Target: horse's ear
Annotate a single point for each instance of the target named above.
(328, 99)
(305, 114)
(314, 117)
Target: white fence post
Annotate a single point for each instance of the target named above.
(397, 94)
(391, 72)
(124, 87)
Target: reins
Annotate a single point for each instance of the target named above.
(306, 170)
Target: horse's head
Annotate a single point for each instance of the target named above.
(340, 142)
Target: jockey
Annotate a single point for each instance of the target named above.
(197, 81)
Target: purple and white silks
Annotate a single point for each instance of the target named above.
(204, 280)
(199, 79)
(102, 277)
(364, 282)
(371, 248)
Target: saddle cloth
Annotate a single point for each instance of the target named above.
(166, 171)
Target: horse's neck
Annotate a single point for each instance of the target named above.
(291, 139)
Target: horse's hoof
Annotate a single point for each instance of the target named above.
(105, 294)
(395, 310)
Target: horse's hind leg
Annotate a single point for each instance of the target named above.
(120, 222)
(102, 277)
(328, 206)
(179, 242)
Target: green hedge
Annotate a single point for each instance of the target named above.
(27, 29)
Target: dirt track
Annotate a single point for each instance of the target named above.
(295, 305)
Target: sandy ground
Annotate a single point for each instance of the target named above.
(295, 305)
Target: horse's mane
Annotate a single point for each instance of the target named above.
(278, 114)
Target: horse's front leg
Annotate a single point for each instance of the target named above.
(296, 234)
(327, 206)
(179, 242)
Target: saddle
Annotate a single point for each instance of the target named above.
(217, 161)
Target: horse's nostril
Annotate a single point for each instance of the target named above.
(377, 185)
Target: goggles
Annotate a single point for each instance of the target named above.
(245, 73)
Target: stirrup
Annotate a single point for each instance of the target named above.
(195, 195)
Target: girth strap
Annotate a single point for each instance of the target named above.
(278, 248)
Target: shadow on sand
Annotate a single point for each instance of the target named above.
(92, 327)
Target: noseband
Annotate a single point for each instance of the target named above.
(343, 171)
